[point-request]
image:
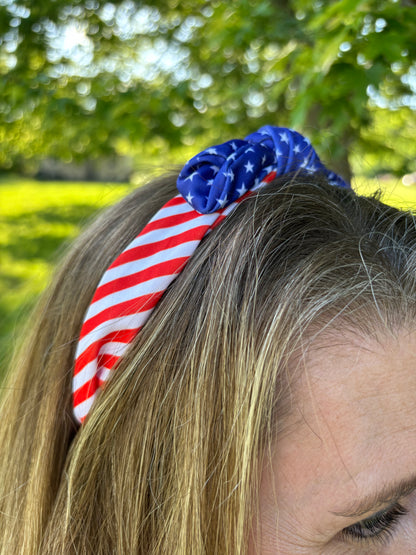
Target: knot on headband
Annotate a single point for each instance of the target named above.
(221, 174)
(212, 184)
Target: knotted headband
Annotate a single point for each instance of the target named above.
(211, 185)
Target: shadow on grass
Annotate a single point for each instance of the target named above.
(40, 234)
(32, 237)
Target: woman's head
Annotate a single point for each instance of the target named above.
(211, 186)
(172, 454)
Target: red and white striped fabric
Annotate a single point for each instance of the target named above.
(213, 183)
(130, 289)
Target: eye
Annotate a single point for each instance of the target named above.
(378, 527)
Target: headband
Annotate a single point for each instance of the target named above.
(211, 185)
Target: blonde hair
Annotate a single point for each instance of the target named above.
(168, 460)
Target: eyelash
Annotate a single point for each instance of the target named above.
(377, 528)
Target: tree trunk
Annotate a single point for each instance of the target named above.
(339, 163)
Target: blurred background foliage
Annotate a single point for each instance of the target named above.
(108, 90)
(86, 79)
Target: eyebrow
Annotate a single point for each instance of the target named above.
(387, 495)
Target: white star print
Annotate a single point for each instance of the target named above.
(222, 201)
(296, 149)
(229, 173)
(234, 146)
(189, 197)
(263, 160)
(249, 167)
(216, 169)
(212, 151)
(191, 177)
(251, 149)
(243, 189)
(284, 137)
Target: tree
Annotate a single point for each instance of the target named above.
(87, 78)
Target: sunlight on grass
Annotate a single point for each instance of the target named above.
(393, 192)
(37, 221)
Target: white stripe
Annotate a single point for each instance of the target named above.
(83, 408)
(131, 321)
(164, 207)
(114, 348)
(86, 374)
(172, 211)
(165, 232)
(151, 286)
(261, 184)
(233, 205)
(104, 373)
(159, 234)
(129, 268)
(230, 208)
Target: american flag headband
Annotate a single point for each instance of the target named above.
(210, 186)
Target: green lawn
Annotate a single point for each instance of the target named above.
(38, 219)
(393, 192)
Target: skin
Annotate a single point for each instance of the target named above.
(351, 432)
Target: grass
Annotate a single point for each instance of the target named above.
(393, 192)
(38, 219)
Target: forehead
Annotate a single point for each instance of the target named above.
(352, 423)
(358, 384)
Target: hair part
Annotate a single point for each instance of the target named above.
(168, 459)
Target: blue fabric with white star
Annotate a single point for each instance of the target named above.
(221, 174)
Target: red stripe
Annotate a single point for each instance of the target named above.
(107, 360)
(102, 383)
(269, 177)
(165, 268)
(91, 352)
(222, 217)
(170, 221)
(85, 391)
(142, 251)
(218, 221)
(126, 308)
